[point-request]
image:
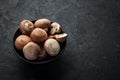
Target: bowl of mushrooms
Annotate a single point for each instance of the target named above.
(40, 41)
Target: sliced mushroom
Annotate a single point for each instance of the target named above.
(56, 28)
(61, 37)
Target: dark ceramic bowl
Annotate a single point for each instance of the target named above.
(21, 56)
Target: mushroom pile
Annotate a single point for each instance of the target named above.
(40, 39)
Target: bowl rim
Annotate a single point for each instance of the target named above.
(30, 61)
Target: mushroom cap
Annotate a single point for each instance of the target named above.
(52, 47)
(51, 37)
(38, 35)
(21, 41)
(42, 23)
(26, 27)
(43, 55)
(31, 51)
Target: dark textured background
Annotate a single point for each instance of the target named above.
(93, 45)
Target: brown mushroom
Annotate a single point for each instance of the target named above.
(21, 41)
(42, 23)
(42, 55)
(46, 29)
(26, 27)
(51, 37)
(38, 35)
(31, 51)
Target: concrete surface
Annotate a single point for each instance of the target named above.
(93, 46)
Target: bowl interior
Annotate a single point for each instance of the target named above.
(21, 56)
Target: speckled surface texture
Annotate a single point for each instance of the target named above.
(93, 46)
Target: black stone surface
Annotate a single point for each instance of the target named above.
(93, 46)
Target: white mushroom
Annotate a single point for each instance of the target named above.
(52, 47)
